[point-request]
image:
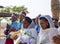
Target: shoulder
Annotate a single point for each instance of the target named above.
(53, 31)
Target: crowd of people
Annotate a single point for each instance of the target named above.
(40, 30)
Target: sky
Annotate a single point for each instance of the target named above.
(35, 7)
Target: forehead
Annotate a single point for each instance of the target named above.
(21, 15)
(43, 21)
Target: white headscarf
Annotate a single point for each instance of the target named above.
(46, 35)
(49, 20)
(32, 31)
(32, 25)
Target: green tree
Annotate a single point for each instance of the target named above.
(13, 9)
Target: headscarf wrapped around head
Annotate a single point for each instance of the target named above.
(23, 13)
(45, 36)
(14, 15)
(49, 19)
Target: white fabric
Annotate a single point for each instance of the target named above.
(25, 39)
(32, 25)
(32, 31)
(28, 39)
(59, 19)
(49, 20)
(59, 30)
(45, 36)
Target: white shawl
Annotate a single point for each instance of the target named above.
(45, 36)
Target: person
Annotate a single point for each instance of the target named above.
(22, 15)
(13, 26)
(14, 23)
(29, 34)
(56, 39)
(37, 24)
(47, 30)
(59, 26)
(55, 21)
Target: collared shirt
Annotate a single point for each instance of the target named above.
(20, 25)
(14, 25)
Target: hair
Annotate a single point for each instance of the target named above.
(29, 20)
(55, 19)
(44, 19)
(33, 20)
(22, 43)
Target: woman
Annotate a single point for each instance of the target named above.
(29, 34)
(48, 31)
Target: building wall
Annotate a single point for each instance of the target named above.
(55, 8)
(59, 8)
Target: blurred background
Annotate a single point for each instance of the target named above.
(32, 7)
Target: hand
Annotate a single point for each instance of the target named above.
(56, 39)
(13, 29)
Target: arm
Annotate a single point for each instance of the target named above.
(56, 39)
(13, 34)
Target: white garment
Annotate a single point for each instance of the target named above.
(59, 30)
(32, 31)
(45, 36)
(27, 38)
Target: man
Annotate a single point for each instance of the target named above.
(56, 39)
(55, 21)
(13, 26)
(14, 23)
(22, 15)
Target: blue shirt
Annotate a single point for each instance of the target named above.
(20, 25)
(14, 25)
(38, 28)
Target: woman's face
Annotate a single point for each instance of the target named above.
(25, 24)
(43, 24)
